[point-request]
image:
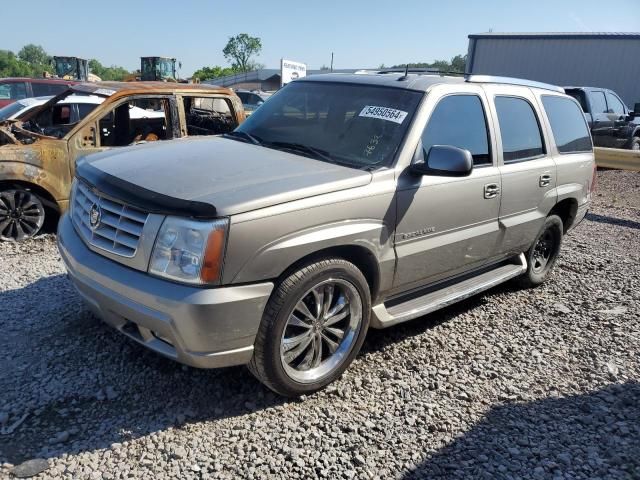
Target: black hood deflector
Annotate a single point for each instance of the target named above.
(139, 197)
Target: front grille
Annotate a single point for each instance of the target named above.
(119, 227)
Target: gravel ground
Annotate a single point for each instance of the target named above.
(542, 383)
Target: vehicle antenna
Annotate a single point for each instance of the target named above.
(406, 73)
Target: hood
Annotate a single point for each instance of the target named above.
(230, 175)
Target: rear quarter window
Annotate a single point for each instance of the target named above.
(568, 124)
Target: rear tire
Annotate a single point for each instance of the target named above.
(22, 214)
(542, 255)
(312, 328)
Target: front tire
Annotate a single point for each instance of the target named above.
(635, 144)
(543, 253)
(22, 214)
(312, 328)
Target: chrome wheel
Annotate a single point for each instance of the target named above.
(21, 215)
(321, 330)
(542, 251)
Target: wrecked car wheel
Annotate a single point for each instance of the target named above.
(21, 214)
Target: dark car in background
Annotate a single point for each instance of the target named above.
(612, 123)
(12, 89)
(252, 99)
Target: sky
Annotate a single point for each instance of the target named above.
(360, 33)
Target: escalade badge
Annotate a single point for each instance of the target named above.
(94, 216)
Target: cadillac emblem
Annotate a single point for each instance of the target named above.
(94, 216)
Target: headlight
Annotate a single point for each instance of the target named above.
(190, 251)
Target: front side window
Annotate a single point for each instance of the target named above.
(135, 121)
(84, 109)
(568, 125)
(459, 121)
(360, 126)
(614, 104)
(598, 103)
(519, 129)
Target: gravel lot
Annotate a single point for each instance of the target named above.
(542, 383)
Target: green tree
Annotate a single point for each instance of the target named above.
(207, 73)
(34, 55)
(113, 72)
(458, 63)
(240, 50)
(12, 66)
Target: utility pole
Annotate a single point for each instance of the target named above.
(332, 61)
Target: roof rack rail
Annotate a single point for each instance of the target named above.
(512, 81)
(417, 70)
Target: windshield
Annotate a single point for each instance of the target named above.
(356, 125)
(10, 110)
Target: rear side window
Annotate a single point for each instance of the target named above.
(459, 121)
(567, 124)
(598, 103)
(519, 128)
(208, 116)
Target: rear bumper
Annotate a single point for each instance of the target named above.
(201, 327)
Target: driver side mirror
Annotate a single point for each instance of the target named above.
(443, 160)
(636, 111)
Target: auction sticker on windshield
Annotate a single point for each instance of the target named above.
(383, 113)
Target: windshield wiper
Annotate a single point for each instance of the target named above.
(299, 147)
(240, 135)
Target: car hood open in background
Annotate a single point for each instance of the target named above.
(230, 175)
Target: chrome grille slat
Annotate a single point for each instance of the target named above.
(120, 226)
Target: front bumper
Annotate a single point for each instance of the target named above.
(201, 327)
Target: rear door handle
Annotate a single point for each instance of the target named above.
(491, 190)
(545, 180)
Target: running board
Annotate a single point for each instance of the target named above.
(384, 317)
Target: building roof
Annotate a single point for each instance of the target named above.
(559, 35)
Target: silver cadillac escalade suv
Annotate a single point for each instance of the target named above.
(345, 202)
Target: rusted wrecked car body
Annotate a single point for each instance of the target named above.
(38, 152)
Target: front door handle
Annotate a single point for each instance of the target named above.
(545, 180)
(491, 190)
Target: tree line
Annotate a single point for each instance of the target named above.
(455, 65)
(240, 51)
(33, 61)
